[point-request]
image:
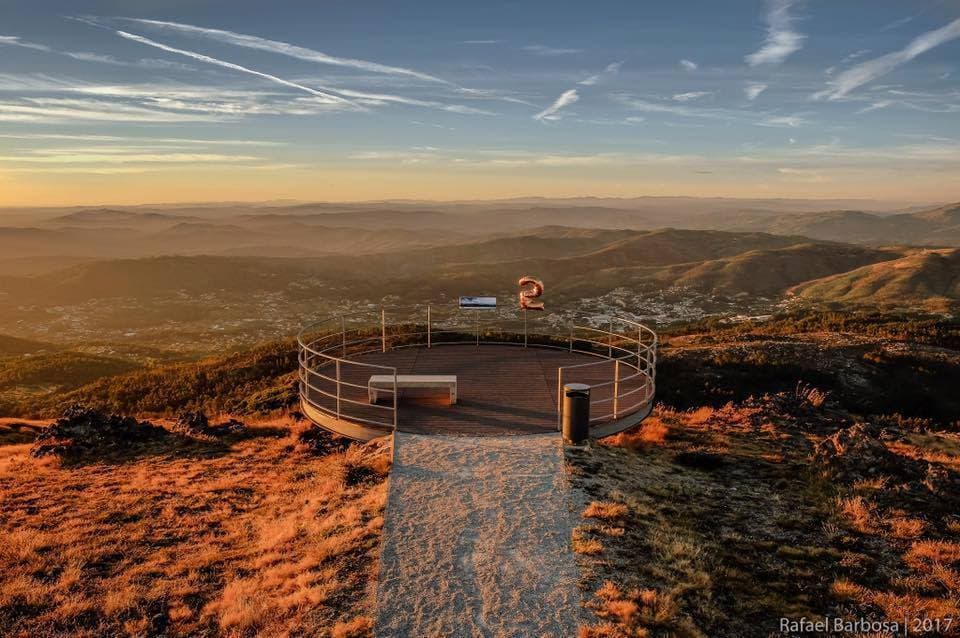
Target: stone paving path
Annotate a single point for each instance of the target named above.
(477, 540)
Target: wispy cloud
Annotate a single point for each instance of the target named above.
(753, 89)
(57, 110)
(490, 94)
(16, 41)
(327, 97)
(86, 56)
(691, 95)
(101, 156)
(647, 106)
(689, 65)
(788, 121)
(782, 40)
(540, 49)
(876, 106)
(284, 48)
(807, 175)
(722, 114)
(855, 56)
(152, 141)
(518, 158)
(818, 155)
(896, 24)
(611, 69)
(870, 70)
(552, 112)
(481, 41)
(373, 99)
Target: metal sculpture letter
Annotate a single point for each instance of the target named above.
(528, 295)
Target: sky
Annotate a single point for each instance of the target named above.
(120, 102)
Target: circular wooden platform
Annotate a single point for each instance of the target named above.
(502, 389)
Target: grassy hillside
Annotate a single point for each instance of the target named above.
(923, 278)
(872, 364)
(14, 346)
(253, 382)
(816, 457)
(806, 466)
(63, 369)
(770, 272)
(249, 535)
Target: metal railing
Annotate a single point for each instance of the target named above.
(334, 383)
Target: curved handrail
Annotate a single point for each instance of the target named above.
(337, 340)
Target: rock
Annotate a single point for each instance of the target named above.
(857, 452)
(82, 430)
(196, 424)
(321, 442)
(233, 426)
(192, 422)
(941, 481)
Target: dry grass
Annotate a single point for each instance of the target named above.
(925, 552)
(729, 546)
(858, 513)
(583, 544)
(814, 396)
(653, 431)
(905, 528)
(912, 575)
(637, 612)
(605, 510)
(247, 539)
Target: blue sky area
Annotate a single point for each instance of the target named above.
(177, 100)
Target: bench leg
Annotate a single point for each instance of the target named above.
(453, 395)
(372, 394)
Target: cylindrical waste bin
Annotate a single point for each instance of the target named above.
(576, 413)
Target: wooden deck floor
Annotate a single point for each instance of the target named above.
(502, 389)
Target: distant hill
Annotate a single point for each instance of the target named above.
(115, 217)
(577, 262)
(208, 303)
(938, 226)
(15, 347)
(371, 227)
(928, 278)
(770, 272)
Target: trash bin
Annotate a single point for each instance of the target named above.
(576, 413)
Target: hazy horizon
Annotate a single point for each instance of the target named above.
(878, 203)
(105, 102)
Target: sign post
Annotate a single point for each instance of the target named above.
(527, 299)
(478, 303)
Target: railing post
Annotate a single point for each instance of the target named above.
(571, 337)
(343, 336)
(610, 340)
(616, 388)
(477, 312)
(429, 322)
(338, 389)
(639, 346)
(383, 330)
(524, 311)
(303, 363)
(394, 398)
(559, 398)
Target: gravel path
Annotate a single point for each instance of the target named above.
(477, 540)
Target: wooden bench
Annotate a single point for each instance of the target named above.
(381, 382)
